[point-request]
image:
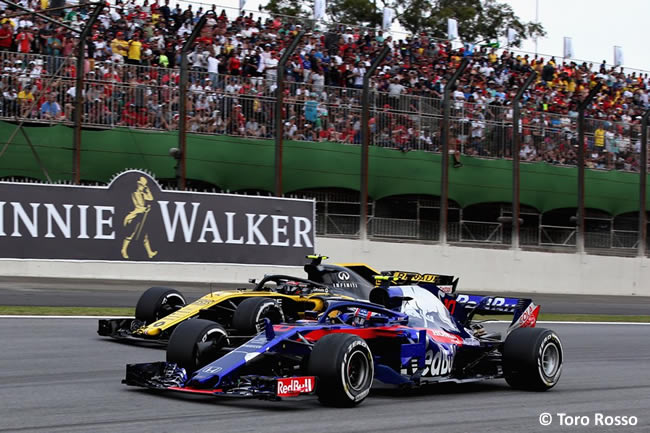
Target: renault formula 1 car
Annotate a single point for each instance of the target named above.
(277, 297)
(410, 335)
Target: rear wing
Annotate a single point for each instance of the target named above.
(465, 306)
(446, 283)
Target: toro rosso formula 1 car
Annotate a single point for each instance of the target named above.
(410, 335)
(277, 297)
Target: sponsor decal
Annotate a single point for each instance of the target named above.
(415, 277)
(345, 285)
(438, 363)
(492, 303)
(450, 304)
(528, 318)
(344, 276)
(211, 370)
(443, 336)
(133, 219)
(294, 386)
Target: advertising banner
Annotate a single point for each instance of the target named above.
(133, 219)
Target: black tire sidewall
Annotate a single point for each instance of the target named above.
(358, 346)
(549, 339)
(329, 362)
(148, 307)
(522, 358)
(250, 311)
(183, 341)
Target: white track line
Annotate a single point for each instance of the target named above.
(552, 322)
(18, 316)
(567, 322)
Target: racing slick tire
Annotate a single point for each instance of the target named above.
(195, 343)
(158, 302)
(249, 313)
(532, 359)
(344, 367)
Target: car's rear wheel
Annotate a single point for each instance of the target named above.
(158, 302)
(247, 319)
(344, 367)
(195, 343)
(532, 359)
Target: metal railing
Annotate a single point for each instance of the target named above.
(314, 111)
(143, 97)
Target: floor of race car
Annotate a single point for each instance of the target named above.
(58, 376)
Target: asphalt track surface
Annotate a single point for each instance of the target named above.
(73, 293)
(57, 376)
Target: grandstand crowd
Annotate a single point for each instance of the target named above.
(132, 76)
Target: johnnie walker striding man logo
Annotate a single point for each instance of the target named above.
(137, 218)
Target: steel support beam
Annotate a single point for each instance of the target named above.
(181, 155)
(580, 218)
(279, 102)
(43, 17)
(365, 139)
(516, 114)
(79, 98)
(643, 177)
(444, 155)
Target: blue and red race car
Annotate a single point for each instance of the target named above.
(409, 334)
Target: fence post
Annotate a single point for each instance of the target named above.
(79, 97)
(181, 155)
(444, 156)
(365, 139)
(516, 112)
(580, 218)
(279, 101)
(643, 168)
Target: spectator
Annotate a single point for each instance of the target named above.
(23, 40)
(134, 50)
(6, 36)
(119, 48)
(51, 110)
(233, 54)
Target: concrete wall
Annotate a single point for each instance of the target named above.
(478, 268)
(504, 270)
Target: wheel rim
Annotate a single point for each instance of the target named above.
(270, 312)
(550, 359)
(212, 336)
(169, 304)
(358, 368)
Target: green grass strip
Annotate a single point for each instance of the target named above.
(576, 318)
(65, 311)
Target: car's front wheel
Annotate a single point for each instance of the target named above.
(158, 302)
(247, 319)
(532, 359)
(344, 366)
(195, 343)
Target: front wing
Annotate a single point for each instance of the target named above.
(163, 376)
(121, 329)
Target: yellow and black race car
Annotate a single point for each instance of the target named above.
(241, 312)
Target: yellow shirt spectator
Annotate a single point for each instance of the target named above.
(599, 137)
(119, 47)
(571, 86)
(135, 50)
(25, 97)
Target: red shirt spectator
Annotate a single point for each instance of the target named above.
(129, 115)
(24, 41)
(6, 34)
